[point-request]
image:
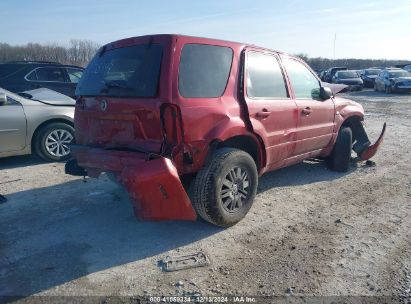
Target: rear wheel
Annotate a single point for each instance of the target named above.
(52, 141)
(224, 189)
(339, 160)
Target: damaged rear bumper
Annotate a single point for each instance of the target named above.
(151, 181)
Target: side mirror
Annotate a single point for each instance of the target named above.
(3, 98)
(325, 93)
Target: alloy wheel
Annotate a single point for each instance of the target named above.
(57, 142)
(235, 189)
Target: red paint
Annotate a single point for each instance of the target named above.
(285, 134)
(153, 184)
(372, 150)
(156, 191)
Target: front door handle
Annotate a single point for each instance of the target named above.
(264, 113)
(306, 111)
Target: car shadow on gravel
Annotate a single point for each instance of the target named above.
(53, 235)
(307, 172)
(19, 161)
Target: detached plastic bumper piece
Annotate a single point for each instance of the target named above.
(153, 184)
(371, 150)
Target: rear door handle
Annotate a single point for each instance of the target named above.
(264, 113)
(306, 111)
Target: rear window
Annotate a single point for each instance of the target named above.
(204, 70)
(7, 70)
(132, 71)
(348, 74)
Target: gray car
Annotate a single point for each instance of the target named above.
(39, 121)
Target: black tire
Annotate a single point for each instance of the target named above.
(207, 189)
(339, 160)
(42, 134)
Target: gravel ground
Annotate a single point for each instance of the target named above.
(311, 231)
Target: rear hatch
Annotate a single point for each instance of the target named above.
(121, 94)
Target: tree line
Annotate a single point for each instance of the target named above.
(320, 63)
(79, 52)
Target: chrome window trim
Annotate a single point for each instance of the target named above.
(47, 81)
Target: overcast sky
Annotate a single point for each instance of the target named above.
(364, 29)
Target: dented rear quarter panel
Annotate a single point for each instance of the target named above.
(208, 120)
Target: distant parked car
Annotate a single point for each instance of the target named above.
(393, 80)
(408, 68)
(322, 74)
(329, 74)
(40, 121)
(368, 76)
(20, 76)
(350, 78)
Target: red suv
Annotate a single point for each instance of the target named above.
(188, 124)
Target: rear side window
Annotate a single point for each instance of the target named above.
(204, 70)
(304, 83)
(48, 74)
(132, 71)
(264, 77)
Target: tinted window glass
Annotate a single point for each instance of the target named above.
(32, 75)
(50, 74)
(204, 70)
(74, 74)
(305, 84)
(347, 74)
(7, 70)
(128, 71)
(264, 77)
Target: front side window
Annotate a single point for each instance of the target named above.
(204, 70)
(264, 77)
(74, 74)
(305, 84)
(132, 71)
(49, 74)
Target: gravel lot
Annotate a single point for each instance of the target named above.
(311, 232)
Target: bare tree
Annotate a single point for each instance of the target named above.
(78, 52)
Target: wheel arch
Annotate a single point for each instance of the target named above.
(45, 123)
(249, 143)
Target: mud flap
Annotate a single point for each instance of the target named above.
(156, 191)
(371, 150)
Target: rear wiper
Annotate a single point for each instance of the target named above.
(113, 84)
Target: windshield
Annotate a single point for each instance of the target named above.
(372, 72)
(395, 74)
(347, 74)
(129, 71)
